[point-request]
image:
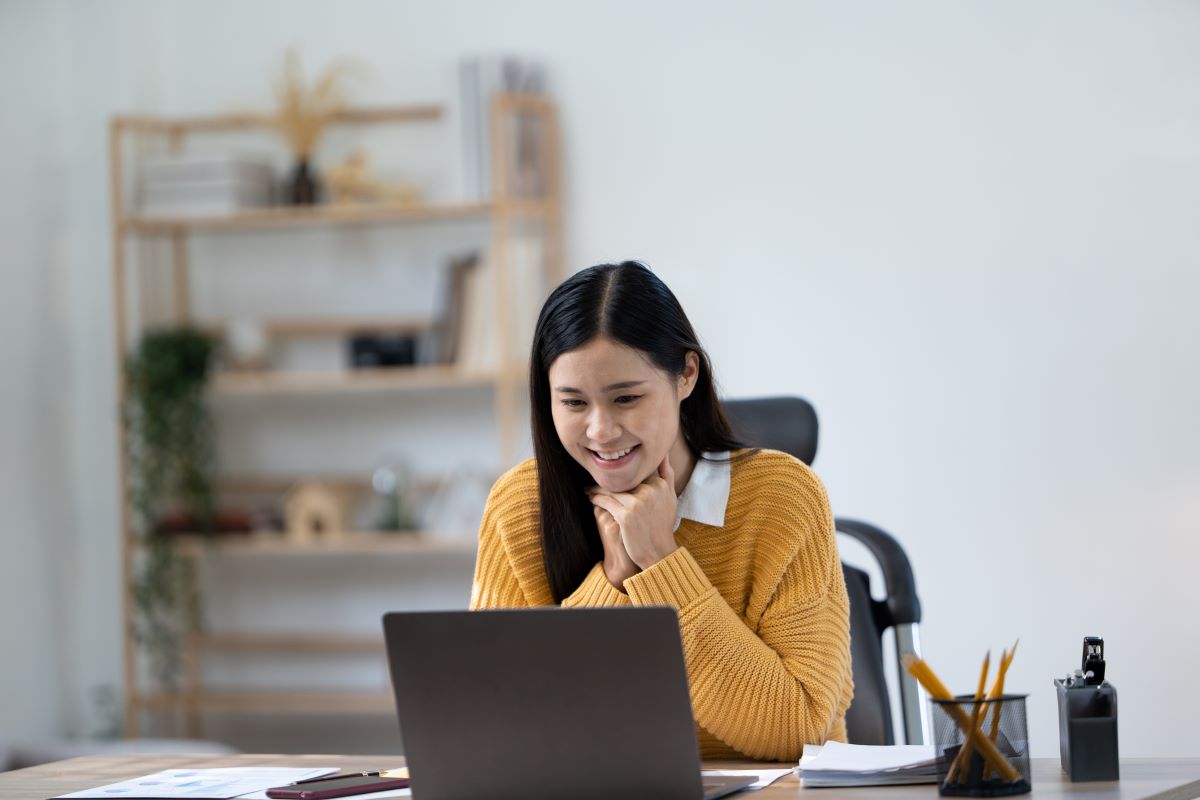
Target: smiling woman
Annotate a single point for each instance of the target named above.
(619, 430)
(639, 493)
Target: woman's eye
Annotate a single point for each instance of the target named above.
(572, 403)
(626, 399)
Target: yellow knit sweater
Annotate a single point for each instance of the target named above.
(762, 604)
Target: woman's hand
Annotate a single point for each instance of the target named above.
(617, 564)
(645, 517)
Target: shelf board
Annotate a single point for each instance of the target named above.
(249, 120)
(374, 379)
(299, 701)
(288, 642)
(306, 216)
(326, 216)
(281, 484)
(352, 543)
(329, 326)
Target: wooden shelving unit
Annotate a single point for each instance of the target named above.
(352, 543)
(296, 382)
(289, 642)
(504, 212)
(254, 702)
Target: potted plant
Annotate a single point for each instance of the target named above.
(170, 449)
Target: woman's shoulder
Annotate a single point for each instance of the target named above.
(522, 475)
(769, 484)
(779, 501)
(765, 468)
(515, 493)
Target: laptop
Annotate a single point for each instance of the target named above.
(547, 703)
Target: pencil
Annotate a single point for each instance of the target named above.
(998, 692)
(926, 677)
(963, 759)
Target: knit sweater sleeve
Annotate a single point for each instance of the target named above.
(767, 686)
(596, 591)
(495, 584)
(508, 566)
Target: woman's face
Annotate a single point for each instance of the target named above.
(615, 412)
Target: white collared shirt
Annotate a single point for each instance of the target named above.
(706, 495)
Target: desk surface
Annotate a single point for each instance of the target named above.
(1139, 777)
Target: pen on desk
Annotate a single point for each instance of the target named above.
(342, 775)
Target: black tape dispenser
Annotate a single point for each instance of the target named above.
(1087, 719)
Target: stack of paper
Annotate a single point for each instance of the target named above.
(223, 783)
(765, 776)
(203, 183)
(837, 764)
(206, 784)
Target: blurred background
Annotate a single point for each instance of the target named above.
(268, 269)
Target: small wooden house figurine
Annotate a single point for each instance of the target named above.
(313, 512)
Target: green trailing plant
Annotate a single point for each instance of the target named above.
(170, 449)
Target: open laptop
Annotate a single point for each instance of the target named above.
(547, 703)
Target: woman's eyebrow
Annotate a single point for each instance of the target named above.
(612, 387)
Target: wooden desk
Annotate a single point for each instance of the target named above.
(1139, 777)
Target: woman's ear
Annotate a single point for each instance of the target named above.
(689, 376)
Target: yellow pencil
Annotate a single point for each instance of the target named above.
(998, 687)
(996, 693)
(963, 760)
(936, 689)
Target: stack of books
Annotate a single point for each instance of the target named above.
(203, 184)
(480, 79)
(467, 319)
(837, 764)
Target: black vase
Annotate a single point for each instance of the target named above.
(302, 187)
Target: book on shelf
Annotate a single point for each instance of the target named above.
(448, 327)
(481, 78)
(468, 327)
(479, 346)
(527, 284)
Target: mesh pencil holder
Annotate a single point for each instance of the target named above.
(996, 758)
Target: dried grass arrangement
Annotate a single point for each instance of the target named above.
(303, 111)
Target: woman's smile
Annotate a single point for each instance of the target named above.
(614, 459)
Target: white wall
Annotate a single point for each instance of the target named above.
(59, 556)
(33, 447)
(966, 231)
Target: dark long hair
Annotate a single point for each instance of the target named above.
(626, 303)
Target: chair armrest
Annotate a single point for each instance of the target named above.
(902, 603)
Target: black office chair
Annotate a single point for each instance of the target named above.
(790, 424)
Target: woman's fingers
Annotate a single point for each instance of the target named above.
(666, 471)
(610, 504)
(604, 519)
(605, 523)
(618, 565)
(662, 478)
(624, 498)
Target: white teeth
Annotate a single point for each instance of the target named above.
(613, 456)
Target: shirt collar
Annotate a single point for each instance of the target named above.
(706, 495)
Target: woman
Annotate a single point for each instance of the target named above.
(639, 494)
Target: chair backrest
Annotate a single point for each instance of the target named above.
(869, 718)
(790, 424)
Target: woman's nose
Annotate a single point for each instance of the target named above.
(602, 427)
